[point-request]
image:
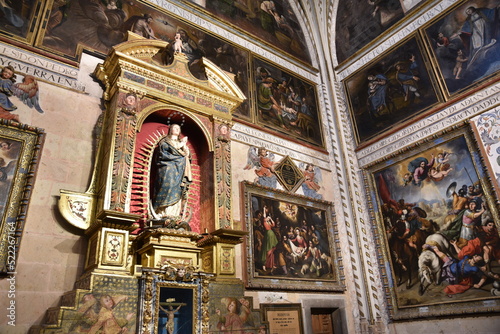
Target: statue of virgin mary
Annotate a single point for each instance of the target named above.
(173, 174)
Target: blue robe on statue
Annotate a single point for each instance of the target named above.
(169, 186)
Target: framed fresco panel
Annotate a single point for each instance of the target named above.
(390, 91)
(20, 19)
(377, 17)
(290, 244)
(434, 213)
(286, 103)
(272, 21)
(465, 44)
(19, 153)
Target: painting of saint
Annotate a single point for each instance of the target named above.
(272, 21)
(286, 103)
(465, 43)
(377, 16)
(390, 91)
(434, 225)
(9, 156)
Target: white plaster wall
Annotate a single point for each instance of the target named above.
(52, 252)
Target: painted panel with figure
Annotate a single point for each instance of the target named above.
(290, 241)
(19, 154)
(391, 90)
(286, 103)
(465, 44)
(377, 16)
(272, 21)
(19, 18)
(99, 25)
(487, 130)
(439, 225)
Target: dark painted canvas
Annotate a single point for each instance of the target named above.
(465, 43)
(390, 90)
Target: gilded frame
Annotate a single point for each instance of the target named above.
(20, 152)
(23, 20)
(299, 115)
(384, 94)
(454, 25)
(391, 192)
(283, 318)
(312, 263)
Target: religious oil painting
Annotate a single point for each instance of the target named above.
(465, 44)
(272, 21)
(439, 223)
(98, 25)
(290, 242)
(19, 153)
(390, 91)
(286, 103)
(19, 18)
(377, 16)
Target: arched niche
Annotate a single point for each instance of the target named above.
(154, 127)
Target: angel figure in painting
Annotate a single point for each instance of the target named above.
(312, 177)
(233, 321)
(173, 174)
(97, 315)
(263, 162)
(27, 92)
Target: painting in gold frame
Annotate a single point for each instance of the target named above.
(434, 210)
(283, 318)
(286, 103)
(464, 43)
(292, 243)
(19, 20)
(391, 90)
(20, 148)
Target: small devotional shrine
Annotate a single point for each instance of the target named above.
(158, 210)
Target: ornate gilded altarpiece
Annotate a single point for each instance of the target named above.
(20, 149)
(148, 93)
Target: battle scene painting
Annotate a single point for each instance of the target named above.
(289, 240)
(272, 21)
(377, 16)
(440, 227)
(390, 91)
(286, 103)
(466, 43)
